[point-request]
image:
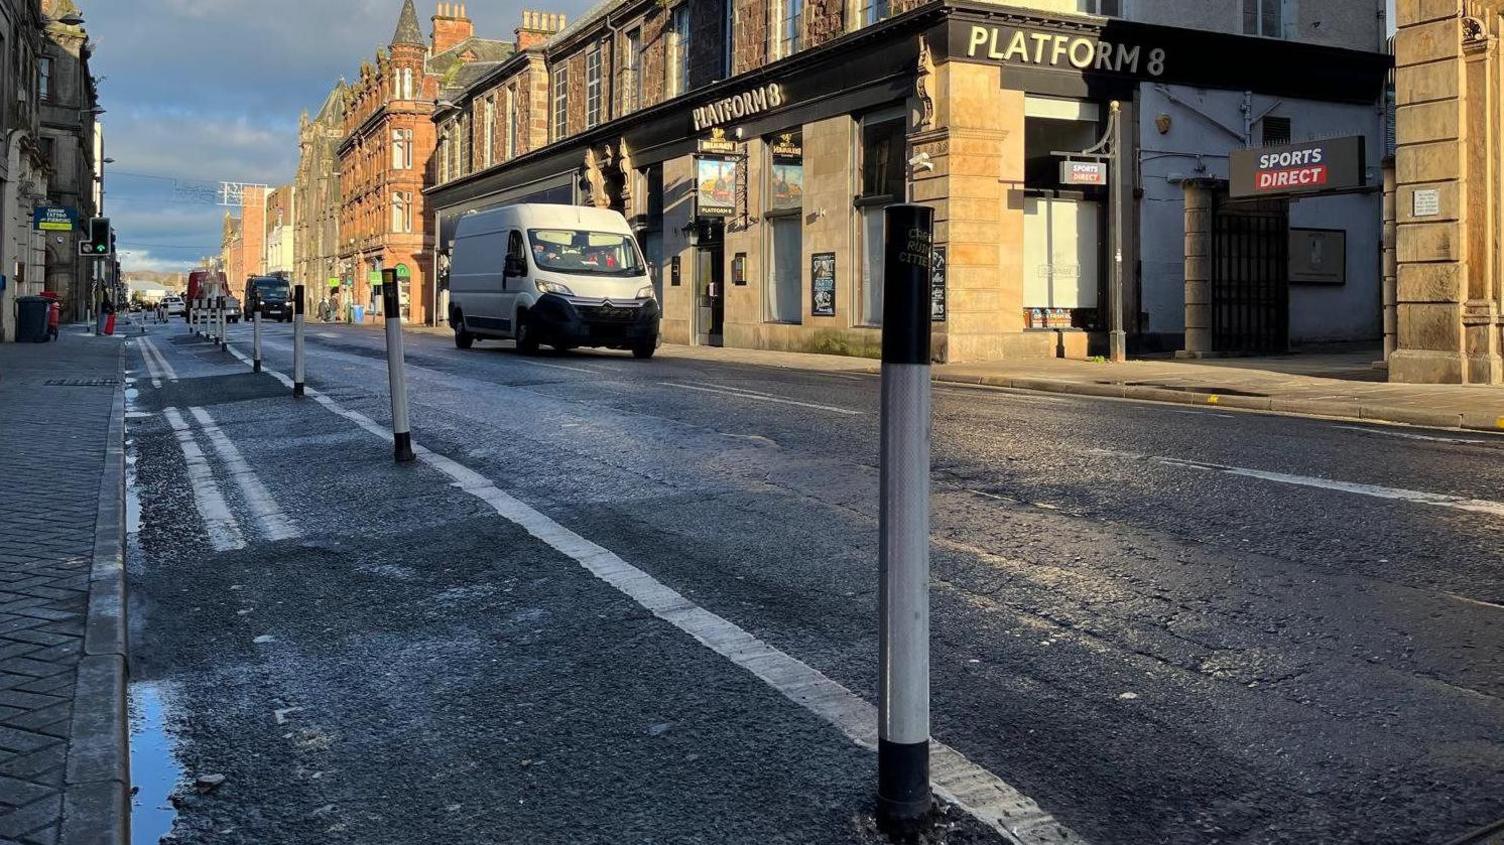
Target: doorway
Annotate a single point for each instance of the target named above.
(1250, 287)
(710, 282)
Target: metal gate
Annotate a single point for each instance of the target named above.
(1251, 277)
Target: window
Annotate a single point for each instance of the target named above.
(402, 149)
(446, 154)
(408, 92)
(511, 128)
(561, 101)
(786, 27)
(1277, 130)
(585, 253)
(488, 133)
(44, 78)
(402, 212)
(631, 72)
(883, 144)
(871, 11)
(728, 44)
(785, 204)
(1105, 8)
(1265, 17)
(676, 67)
(516, 248)
(593, 87)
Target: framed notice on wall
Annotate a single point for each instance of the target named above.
(822, 283)
(1318, 256)
(937, 285)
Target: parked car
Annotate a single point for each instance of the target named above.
(562, 275)
(273, 293)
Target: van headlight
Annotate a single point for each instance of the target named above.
(555, 288)
(647, 293)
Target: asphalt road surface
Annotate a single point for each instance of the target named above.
(1162, 625)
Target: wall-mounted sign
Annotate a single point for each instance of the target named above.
(1427, 203)
(1318, 256)
(675, 279)
(822, 283)
(937, 285)
(1088, 173)
(739, 269)
(1052, 49)
(787, 145)
(373, 278)
(718, 143)
(403, 273)
(715, 187)
(738, 106)
(1311, 167)
(48, 218)
(787, 172)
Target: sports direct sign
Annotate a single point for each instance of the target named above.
(1313, 167)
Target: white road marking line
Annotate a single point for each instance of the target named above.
(560, 367)
(1407, 436)
(955, 778)
(224, 531)
(758, 398)
(152, 369)
(275, 524)
(1441, 500)
(162, 363)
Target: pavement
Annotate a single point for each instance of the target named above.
(63, 763)
(625, 601)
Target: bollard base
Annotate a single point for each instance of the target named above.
(403, 447)
(297, 390)
(904, 803)
(255, 366)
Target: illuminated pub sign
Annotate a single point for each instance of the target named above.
(1311, 167)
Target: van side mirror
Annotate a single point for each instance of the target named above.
(515, 266)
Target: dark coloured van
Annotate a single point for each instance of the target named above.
(273, 294)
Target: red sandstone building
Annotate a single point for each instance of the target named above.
(389, 139)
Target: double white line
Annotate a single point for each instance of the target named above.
(224, 530)
(156, 363)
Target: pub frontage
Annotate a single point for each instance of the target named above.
(758, 199)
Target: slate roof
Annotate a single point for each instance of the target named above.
(408, 29)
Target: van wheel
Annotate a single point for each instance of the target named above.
(644, 349)
(463, 339)
(527, 340)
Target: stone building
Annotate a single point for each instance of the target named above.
(388, 141)
(754, 143)
(316, 245)
(71, 144)
(281, 221)
(1446, 296)
(23, 160)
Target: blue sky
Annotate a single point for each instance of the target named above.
(199, 91)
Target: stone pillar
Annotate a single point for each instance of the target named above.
(1481, 316)
(1391, 265)
(1199, 203)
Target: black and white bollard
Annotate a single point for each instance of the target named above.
(297, 341)
(224, 322)
(256, 339)
(192, 326)
(903, 752)
(391, 304)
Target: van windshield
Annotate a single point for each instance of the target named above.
(273, 289)
(583, 252)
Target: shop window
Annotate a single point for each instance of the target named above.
(676, 67)
(1063, 225)
(785, 214)
(1267, 17)
(1277, 130)
(561, 101)
(883, 144)
(785, 27)
(593, 99)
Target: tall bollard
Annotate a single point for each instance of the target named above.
(256, 339)
(391, 303)
(297, 341)
(224, 322)
(903, 753)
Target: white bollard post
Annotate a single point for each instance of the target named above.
(297, 341)
(391, 303)
(256, 339)
(903, 763)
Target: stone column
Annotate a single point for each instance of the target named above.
(1391, 265)
(1480, 313)
(1199, 196)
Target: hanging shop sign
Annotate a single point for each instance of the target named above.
(787, 171)
(1311, 167)
(715, 187)
(1085, 173)
(738, 106)
(822, 282)
(48, 218)
(937, 285)
(787, 145)
(718, 143)
(1011, 45)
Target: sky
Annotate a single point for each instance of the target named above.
(202, 91)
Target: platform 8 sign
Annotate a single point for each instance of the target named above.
(1312, 167)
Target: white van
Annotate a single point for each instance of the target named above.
(563, 275)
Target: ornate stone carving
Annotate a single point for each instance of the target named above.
(624, 163)
(596, 179)
(924, 72)
(1473, 31)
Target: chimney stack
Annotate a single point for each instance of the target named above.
(537, 28)
(451, 27)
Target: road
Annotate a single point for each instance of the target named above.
(1163, 625)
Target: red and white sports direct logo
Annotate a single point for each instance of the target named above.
(1298, 169)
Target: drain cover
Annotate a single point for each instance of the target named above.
(81, 382)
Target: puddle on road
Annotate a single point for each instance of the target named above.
(155, 773)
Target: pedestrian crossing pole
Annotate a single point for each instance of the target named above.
(903, 746)
(297, 341)
(391, 304)
(256, 338)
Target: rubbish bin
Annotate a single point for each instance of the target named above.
(31, 319)
(358, 314)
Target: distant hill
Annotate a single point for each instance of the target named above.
(172, 281)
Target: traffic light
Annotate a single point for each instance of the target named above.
(98, 240)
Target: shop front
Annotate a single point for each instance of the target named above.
(759, 200)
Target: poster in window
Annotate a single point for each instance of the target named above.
(715, 187)
(937, 285)
(822, 273)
